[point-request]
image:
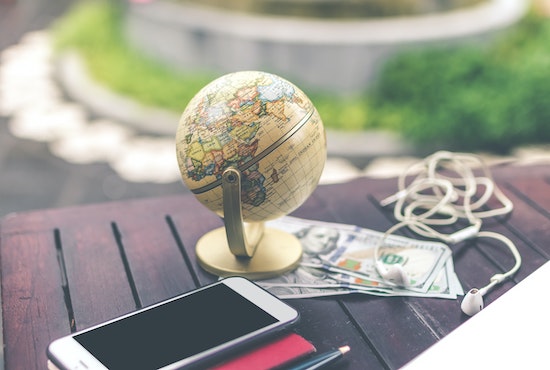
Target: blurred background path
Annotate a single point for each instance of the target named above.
(54, 152)
(30, 176)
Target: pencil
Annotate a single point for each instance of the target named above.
(322, 359)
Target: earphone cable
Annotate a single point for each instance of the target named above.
(443, 189)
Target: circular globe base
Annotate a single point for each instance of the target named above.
(276, 253)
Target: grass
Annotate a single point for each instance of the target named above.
(94, 29)
(489, 98)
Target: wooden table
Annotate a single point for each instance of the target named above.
(67, 269)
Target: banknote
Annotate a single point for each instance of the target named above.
(446, 285)
(421, 260)
(338, 259)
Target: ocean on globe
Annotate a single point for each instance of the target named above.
(262, 125)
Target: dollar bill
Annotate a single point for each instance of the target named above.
(446, 286)
(420, 260)
(339, 259)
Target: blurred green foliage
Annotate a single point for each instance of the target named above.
(93, 28)
(459, 98)
(471, 98)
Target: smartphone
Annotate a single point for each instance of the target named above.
(182, 332)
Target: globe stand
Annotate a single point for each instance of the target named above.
(250, 249)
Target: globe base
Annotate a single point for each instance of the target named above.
(277, 252)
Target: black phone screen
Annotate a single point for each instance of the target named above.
(171, 332)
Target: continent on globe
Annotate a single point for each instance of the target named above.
(262, 125)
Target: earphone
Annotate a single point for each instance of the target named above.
(443, 191)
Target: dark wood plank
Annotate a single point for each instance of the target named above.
(115, 257)
(98, 283)
(32, 293)
(532, 190)
(532, 221)
(513, 171)
(122, 255)
(158, 265)
(324, 322)
(191, 221)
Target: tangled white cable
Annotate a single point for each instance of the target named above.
(443, 191)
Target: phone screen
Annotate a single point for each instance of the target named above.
(176, 330)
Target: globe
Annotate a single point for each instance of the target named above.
(263, 126)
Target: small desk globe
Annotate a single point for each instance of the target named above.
(251, 147)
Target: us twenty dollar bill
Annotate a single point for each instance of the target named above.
(339, 259)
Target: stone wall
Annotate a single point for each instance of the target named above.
(341, 56)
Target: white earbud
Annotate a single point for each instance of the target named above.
(472, 302)
(394, 274)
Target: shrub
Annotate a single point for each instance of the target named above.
(471, 98)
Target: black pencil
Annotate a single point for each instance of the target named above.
(322, 359)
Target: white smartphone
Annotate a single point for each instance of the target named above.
(182, 332)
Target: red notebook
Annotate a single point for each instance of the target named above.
(277, 353)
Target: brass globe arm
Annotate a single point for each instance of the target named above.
(236, 231)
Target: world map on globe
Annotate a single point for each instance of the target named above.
(262, 125)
